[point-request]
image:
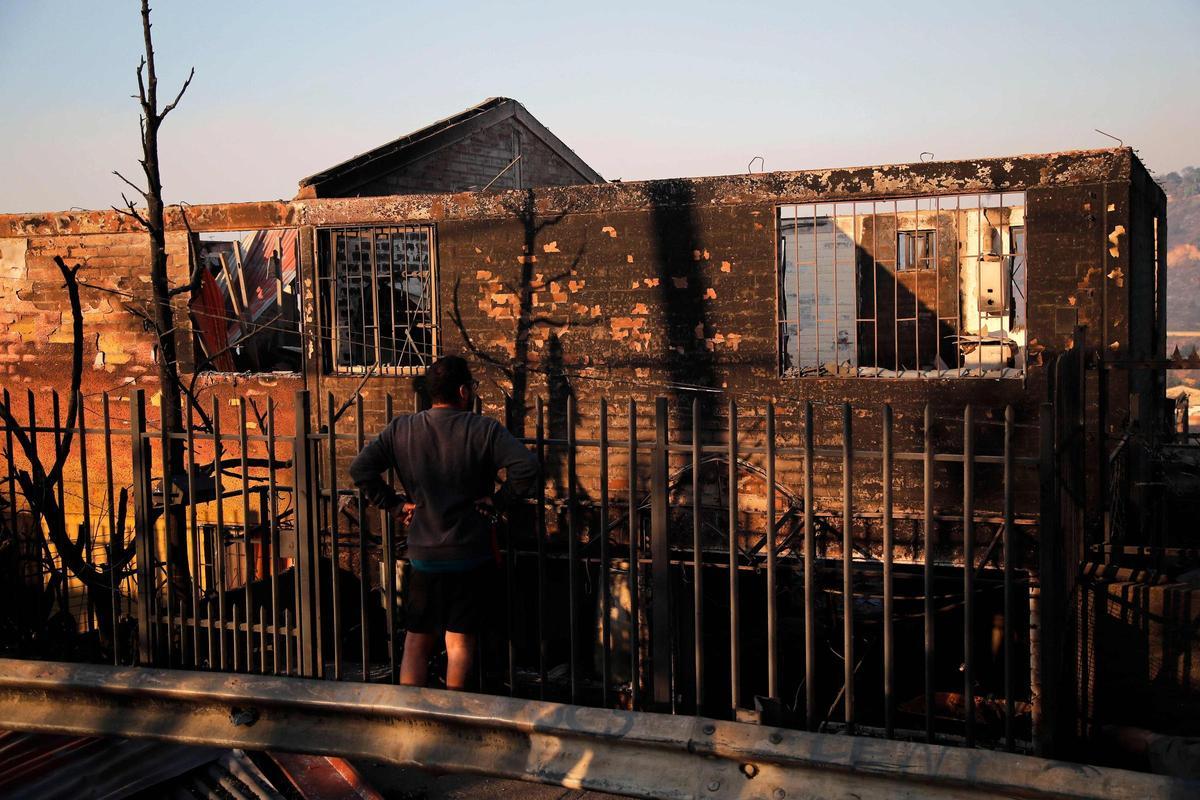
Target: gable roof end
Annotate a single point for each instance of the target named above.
(444, 132)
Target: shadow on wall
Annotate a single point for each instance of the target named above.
(520, 362)
(678, 252)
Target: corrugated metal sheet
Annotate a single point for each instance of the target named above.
(326, 777)
(233, 774)
(47, 767)
(50, 767)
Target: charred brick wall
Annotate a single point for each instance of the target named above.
(641, 290)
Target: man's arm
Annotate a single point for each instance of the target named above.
(520, 465)
(368, 467)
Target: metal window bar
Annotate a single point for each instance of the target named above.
(918, 225)
(378, 284)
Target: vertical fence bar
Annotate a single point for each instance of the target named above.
(160, 646)
(306, 571)
(1044, 620)
(635, 643)
(389, 566)
(540, 446)
(360, 435)
(734, 660)
(237, 638)
(64, 585)
(605, 579)
(572, 553)
(247, 543)
(39, 565)
(847, 564)
(262, 640)
(194, 538)
(59, 489)
(273, 506)
(1009, 419)
(13, 521)
(335, 595)
(810, 575)
(116, 536)
(510, 566)
(287, 642)
(969, 570)
(697, 560)
(143, 530)
(85, 488)
(772, 622)
(510, 606)
(929, 539)
(660, 569)
(208, 624)
(889, 645)
(219, 544)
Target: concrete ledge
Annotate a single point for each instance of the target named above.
(646, 755)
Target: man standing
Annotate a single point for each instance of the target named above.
(447, 459)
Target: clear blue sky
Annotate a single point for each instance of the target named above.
(639, 90)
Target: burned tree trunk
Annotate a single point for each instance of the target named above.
(161, 315)
(39, 484)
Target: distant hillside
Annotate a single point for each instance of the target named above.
(1183, 259)
(1183, 253)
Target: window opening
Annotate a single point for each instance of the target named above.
(914, 249)
(920, 287)
(246, 311)
(377, 296)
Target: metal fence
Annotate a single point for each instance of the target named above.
(823, 568)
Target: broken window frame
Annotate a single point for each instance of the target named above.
(919, 248)
(819, 334)
(338, 321)
(236, 303)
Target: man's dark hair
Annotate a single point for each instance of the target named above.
(447, 375)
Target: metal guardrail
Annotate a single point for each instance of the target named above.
(631, 753)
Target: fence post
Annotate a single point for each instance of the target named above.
(660, 551)
(307, 550)
(143, 525)
(1049, 538)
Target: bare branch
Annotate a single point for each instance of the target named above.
(141, 82)
(193, 284)
(259, 416)
(171, 369)
(350, 400)
(456, 318)
(151, 91)
(171, 106)
(139, 189)
(132, 213)
(72, 286)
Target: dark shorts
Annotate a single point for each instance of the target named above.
(448, 601)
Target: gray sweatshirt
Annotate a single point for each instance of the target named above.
(446, 460)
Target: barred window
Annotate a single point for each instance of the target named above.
(914, 249)
(377, 298)
(923, 287)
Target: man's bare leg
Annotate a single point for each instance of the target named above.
(414, 667)
(460, 653)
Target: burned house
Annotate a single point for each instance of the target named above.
(943, 282)
(778, 339)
